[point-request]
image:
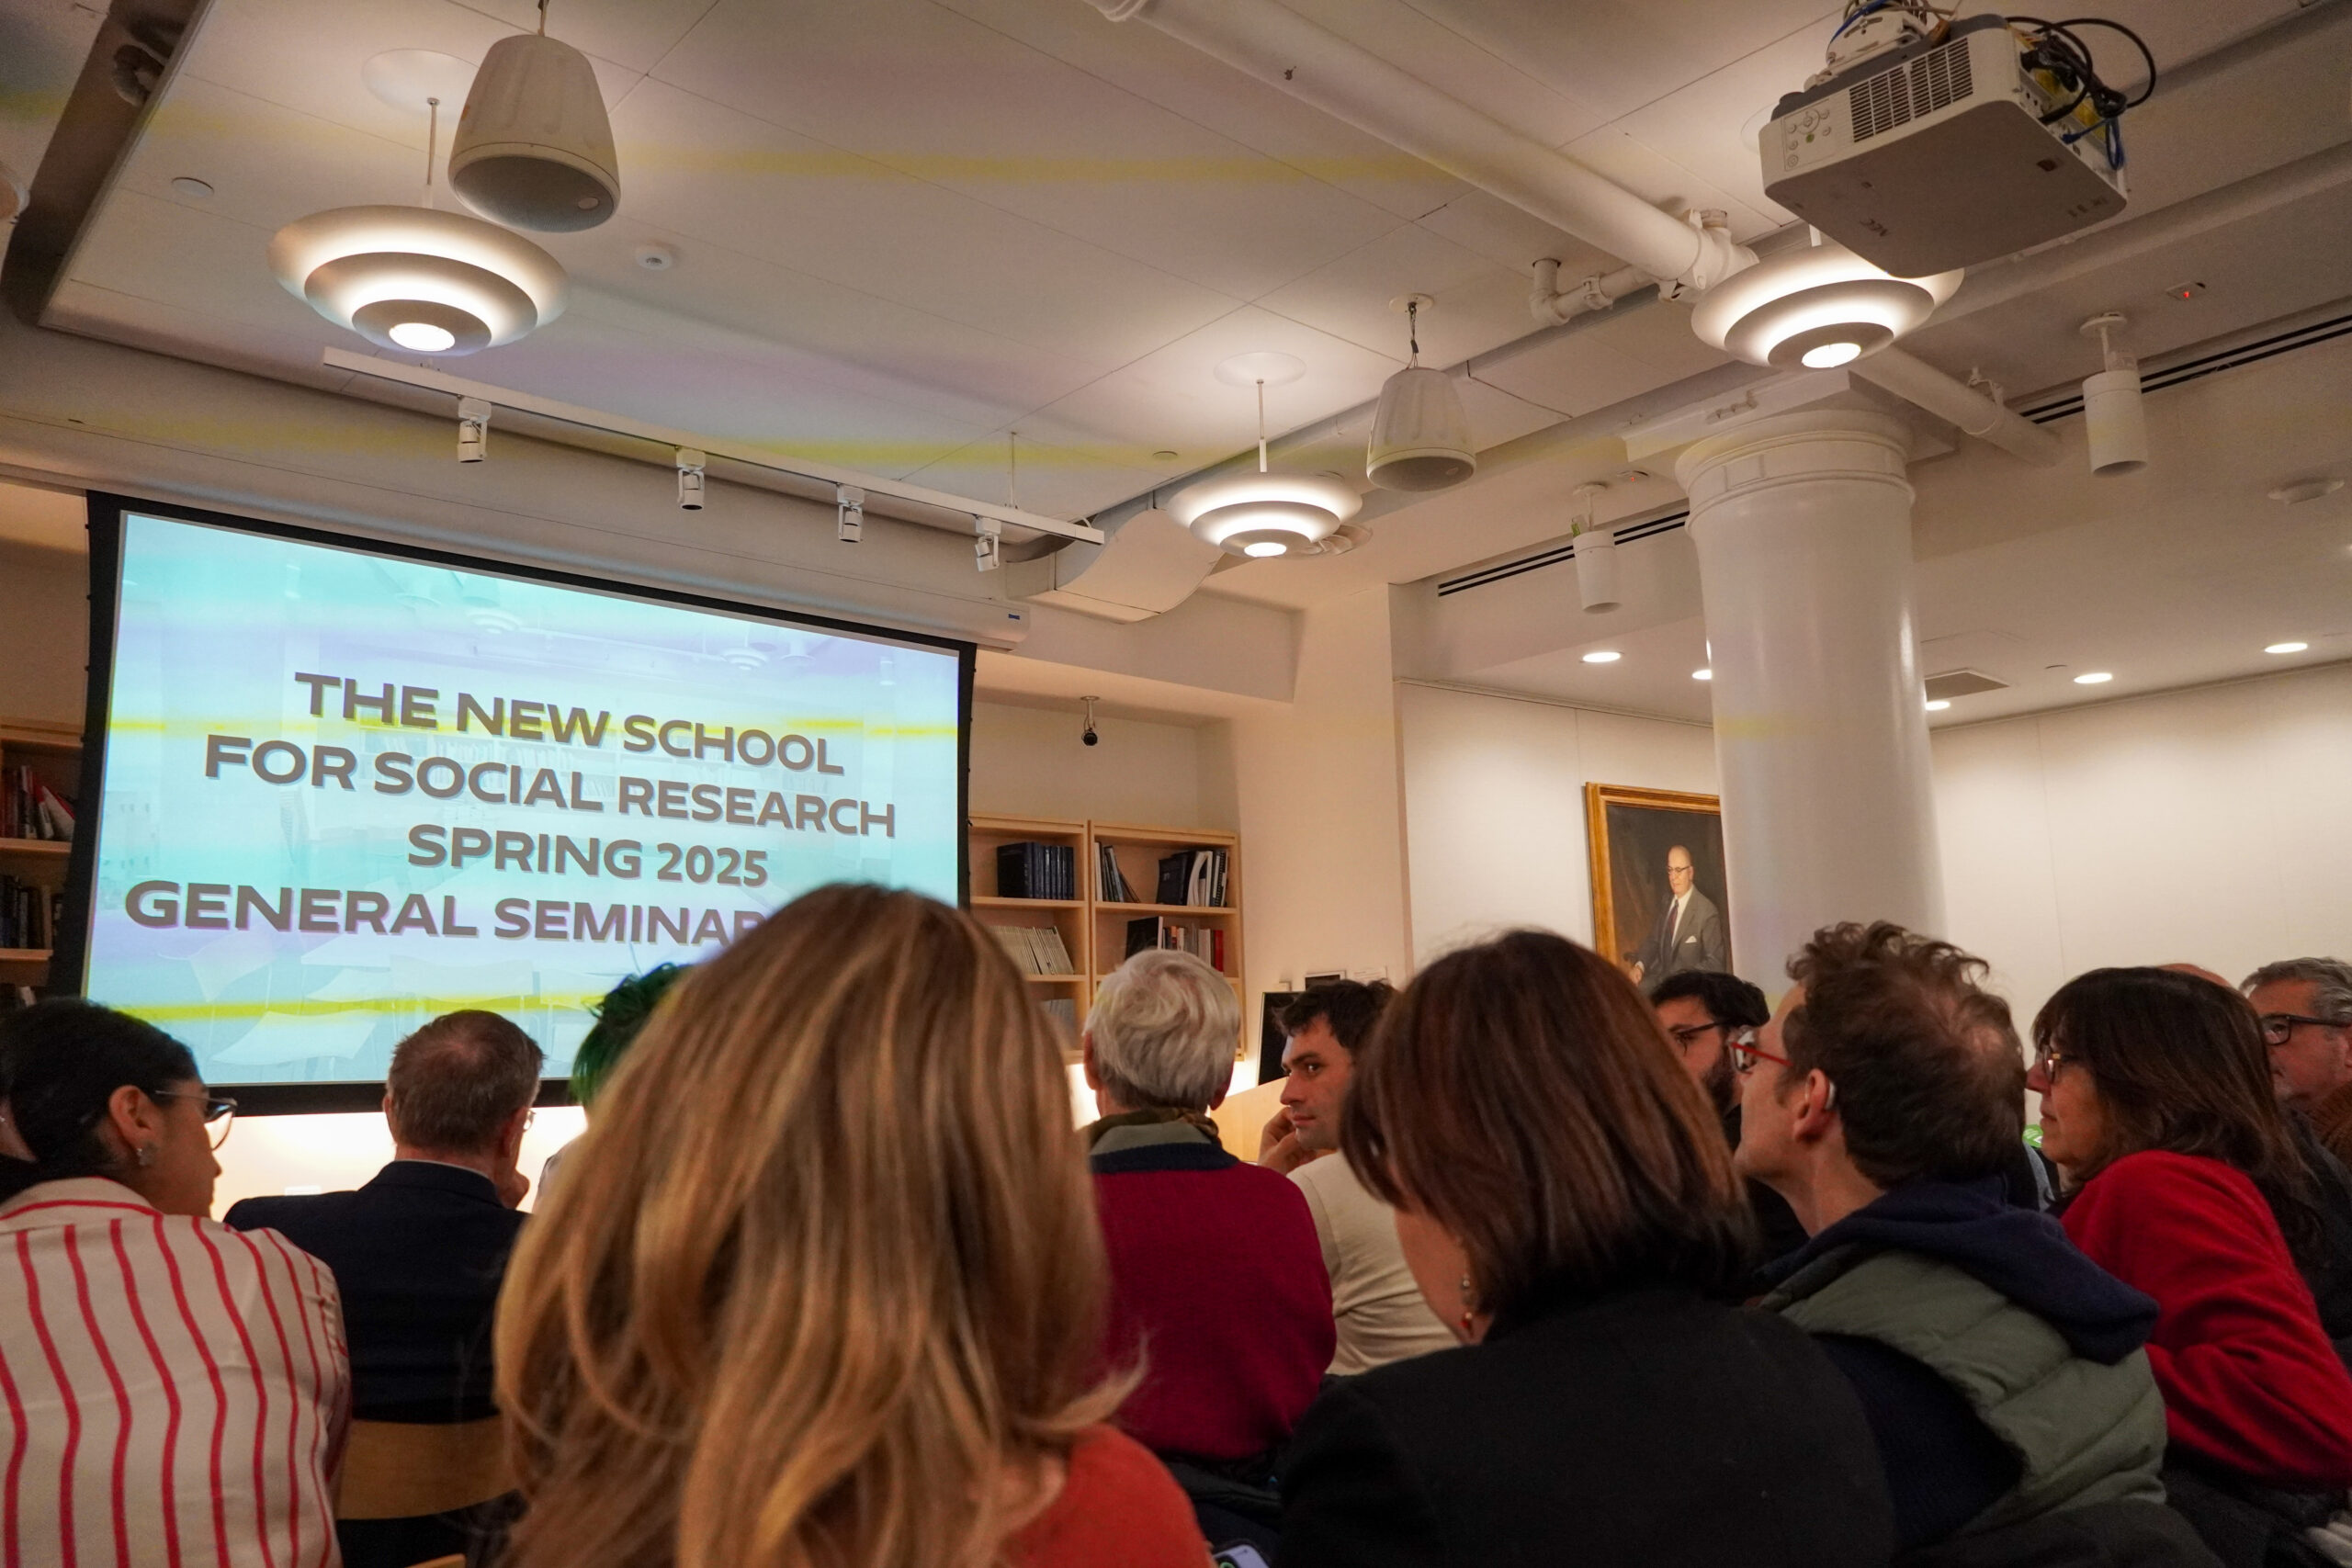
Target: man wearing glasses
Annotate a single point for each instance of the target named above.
(420, 1251)
(1701, 1009)
(2306, 1010)
(2002, 1372)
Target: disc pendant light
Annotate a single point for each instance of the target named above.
(1264, 514)
(534, 147)
(417, 279)
(1420, 437)
(1814, 308)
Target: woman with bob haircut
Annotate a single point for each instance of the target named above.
(825, 1286)
(2157, 1104)
(1566, 1204)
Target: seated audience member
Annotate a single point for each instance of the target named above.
(1566, 1203)
(1218, 1285)
(1375, 1306)
(2002, 1371)
(826, 1286)
(2157, 1103)
(153, 1359)
(1700, 1009)
(2306, 1009)
(419, 1251)
(621, 1015)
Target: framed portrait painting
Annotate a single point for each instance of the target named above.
(1660, 903)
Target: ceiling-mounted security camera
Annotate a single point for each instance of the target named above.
(1087, 735)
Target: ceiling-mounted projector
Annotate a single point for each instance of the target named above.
(1965, 144)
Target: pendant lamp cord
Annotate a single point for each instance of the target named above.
(543, 18)
(1261, 425)
(1012, 470)
(432, 145)
(1413, 328)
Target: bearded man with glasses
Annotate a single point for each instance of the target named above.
(2002, 1372)
(1700, 1011)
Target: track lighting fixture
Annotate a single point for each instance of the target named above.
(2114, 421)
(987, 540)
(849, 513)
(473, 430)
(690, 479)
(1596, 553)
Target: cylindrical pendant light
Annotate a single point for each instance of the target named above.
(534, 146)
(1420, 437)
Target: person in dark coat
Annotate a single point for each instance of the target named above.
(420, 1251)
(1567, 1204)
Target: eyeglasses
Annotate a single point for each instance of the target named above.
(2049, 1064)
(1684, 1033)
(219, 1110)
(2277, 1028)
(1745, 1053)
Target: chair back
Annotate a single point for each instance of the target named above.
(399, 1470)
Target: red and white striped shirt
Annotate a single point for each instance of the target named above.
(177, 1393)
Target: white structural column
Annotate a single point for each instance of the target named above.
(1802, 522)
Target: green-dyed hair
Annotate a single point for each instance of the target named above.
(619, 1017)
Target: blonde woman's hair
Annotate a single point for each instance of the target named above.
(823, 1283)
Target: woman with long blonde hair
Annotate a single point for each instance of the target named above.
(822, 1284)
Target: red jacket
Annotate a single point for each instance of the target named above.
(1217, 1286)
(2249, 1380)
(1119, 1509)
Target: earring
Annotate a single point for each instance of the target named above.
(1469, 1303)
(146, 1155)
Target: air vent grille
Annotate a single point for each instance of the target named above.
(1961, 683)
(1936, 80)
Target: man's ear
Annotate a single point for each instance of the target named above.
(1086, 1060)
(510, 1138)
(1816, 1108)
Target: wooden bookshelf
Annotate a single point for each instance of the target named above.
(1139, 850)
(1069, 917)
(54, 755)
(1094, 928)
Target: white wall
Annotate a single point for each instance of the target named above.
(1494, 806)
(2211, 826)
(44, 604)
(1029, 761)
(1321, 813)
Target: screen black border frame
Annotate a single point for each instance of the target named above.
(69, 958)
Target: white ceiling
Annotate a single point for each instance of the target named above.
(905, 229)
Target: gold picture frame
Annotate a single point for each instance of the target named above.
(1631, 830)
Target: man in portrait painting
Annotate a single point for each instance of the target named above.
(1689, 933)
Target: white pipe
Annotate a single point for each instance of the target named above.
(1919, 383)
(1283, 49)
(1552, 305)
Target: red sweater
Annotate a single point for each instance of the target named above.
(1120, 1508)
(2249, 1380)
(1217, 1286)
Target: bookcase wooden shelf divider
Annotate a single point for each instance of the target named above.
(54, 756)
(1094, 930)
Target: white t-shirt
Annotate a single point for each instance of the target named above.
(1378, 1308)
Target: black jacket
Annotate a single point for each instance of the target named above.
(1649, 1427)
(418, 1253)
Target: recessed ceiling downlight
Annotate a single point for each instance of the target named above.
(2287, 647)
(2095, 677)
(1603, 656)
(1937, 705)
(382, 270)
(1790, 309)
(1703, 674)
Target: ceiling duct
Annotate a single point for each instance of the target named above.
(1149, 567)
(1961, 683)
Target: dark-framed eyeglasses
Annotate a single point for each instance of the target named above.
(2049, 1064)
(1685, 1036)
(219, 1110)
(2277, 1028)
(1745, 1053)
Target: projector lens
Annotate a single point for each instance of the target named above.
(1265, 548)
(423, 336)
(1829, 355)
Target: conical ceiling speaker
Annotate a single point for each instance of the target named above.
(534, 148)
(1420, 437)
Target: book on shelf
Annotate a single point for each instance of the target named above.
(1193, 877)
(30, 810)
(1203, 942)
(1036, 950)
(1110, 882)
(1031, 870)
(28, 913)
(1063, 1011)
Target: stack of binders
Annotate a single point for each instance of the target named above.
(1031, 870)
